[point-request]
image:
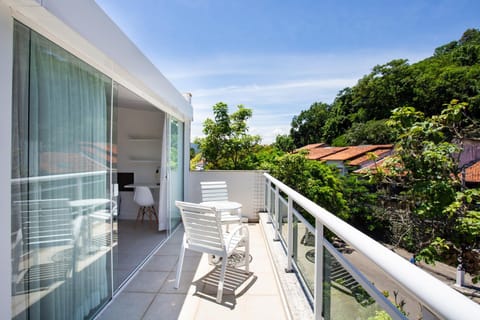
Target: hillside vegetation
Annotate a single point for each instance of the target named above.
(357, 115)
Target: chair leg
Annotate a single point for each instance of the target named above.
(180, 264)
(143, 213)
(148, 210)
(221, 280)
(155, 216)
(139, 214)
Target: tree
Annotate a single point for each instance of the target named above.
(370, 132)
(313, 179)
(284, 142)
(227, 144)
(452, 72)
(423, 187)
(307, 127)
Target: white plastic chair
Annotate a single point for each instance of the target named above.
(203, 233)
(143, 197)
(214, 191)
(217, 191)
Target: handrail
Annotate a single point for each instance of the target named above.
(443, 301)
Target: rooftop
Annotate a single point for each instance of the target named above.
(379, 153)
(311, 146)
(319, 153)
(354, 152)
(472, 173)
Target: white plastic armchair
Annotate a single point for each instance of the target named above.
(203, 233)
(215, 193)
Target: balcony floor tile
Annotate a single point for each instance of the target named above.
(150, 294)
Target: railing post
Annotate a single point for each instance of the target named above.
(269, 198)
(277, 224)
(290, 235)
(318, 292)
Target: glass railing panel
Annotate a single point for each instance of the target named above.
(272, 203)
(344, 297)
(304, 251)
(355, 286)
(394, 293)
(283, 219)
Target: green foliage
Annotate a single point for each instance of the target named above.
(284, 142)
(362, 204)
(264, 156)
(453, 72)
(380, 315)
(348, 197)
(424, 182)
(315, 180)
(370, 132)
(307, 127)
(227, 144)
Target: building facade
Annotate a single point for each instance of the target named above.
(81, 107)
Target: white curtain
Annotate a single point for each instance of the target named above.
(60, 146)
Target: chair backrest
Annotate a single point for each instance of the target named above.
(203, 229)
(143, 196)
(214, 191)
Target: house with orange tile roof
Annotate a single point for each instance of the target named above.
(472, 175)
(344, 157)
(310, 147)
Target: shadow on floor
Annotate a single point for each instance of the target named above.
(235, 279)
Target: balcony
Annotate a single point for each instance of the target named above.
(308, 265)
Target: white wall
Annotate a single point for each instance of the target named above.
(6, 61)
(139, 137)
(245, 187)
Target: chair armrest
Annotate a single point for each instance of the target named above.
(241, 232)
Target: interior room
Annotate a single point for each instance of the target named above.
(139, 137)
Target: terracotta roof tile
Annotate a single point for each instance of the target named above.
(355, 151)
(380, 153)
(319, 153)
(472, 173)
(311, 146)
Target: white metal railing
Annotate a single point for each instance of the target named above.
(437, 299)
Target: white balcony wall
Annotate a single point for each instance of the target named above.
(245, 187)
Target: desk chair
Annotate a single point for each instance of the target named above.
(143, 197)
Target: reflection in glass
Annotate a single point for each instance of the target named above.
(176, 170)
(61, 207)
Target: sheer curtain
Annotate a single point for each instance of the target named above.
(60, 182)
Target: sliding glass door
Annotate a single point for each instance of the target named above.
(62, 206)
(175, 167)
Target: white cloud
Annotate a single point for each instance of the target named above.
(276, 87)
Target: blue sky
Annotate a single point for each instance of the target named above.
(277, 57)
